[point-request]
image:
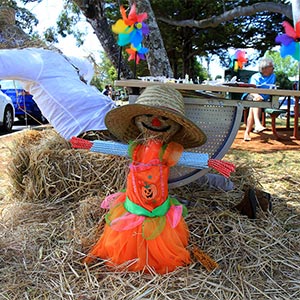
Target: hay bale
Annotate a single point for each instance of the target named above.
(45, 168)
(7, 15)
(12, 36)
(42, 246)
(43, 242)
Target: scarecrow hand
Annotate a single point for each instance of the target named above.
(202, 161)
(223, 167)
(105, 147)
(78, 143)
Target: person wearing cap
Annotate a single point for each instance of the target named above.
(145, 227)
(263, 79)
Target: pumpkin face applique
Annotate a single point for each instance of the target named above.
(149, 192)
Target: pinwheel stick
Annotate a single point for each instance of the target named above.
(135, 57)
(120, 54)
(119, 64)
(298, 85)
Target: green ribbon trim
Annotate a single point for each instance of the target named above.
(175, 202)
(162, 152)
(140, 211)
(132, 146)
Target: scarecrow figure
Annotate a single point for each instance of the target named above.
(145, 228)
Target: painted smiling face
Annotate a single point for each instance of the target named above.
(155, 126)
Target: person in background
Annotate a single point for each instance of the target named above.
(262, 79)
(111, 92)
(106, 91)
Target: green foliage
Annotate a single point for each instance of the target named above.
(200, 73)
(51, 35)
(7, 3)
(257, 31)
(183, 44)
(287, 65)
(26, 20)
(28, 1)
(283, 81)
(284, 68)
(105, 73)
(96, 82)
(66, 24)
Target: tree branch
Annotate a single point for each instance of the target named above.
(239, 11)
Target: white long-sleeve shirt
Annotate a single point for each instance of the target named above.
(70, 106)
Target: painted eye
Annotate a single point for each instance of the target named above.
(149, 115)
(164, 118)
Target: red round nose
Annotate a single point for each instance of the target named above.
(155, 122)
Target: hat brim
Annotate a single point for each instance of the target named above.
(120, 122)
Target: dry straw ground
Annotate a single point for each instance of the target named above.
(50, 216)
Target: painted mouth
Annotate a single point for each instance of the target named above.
(164, 129)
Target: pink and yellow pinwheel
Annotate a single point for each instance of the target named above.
(290, 41)
(137, 53)
(131, 29)
(238, 60)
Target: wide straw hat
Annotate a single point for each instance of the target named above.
(160, 100)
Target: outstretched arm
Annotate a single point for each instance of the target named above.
(187, 159)
(20, 64)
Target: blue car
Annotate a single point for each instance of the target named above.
(25, 106)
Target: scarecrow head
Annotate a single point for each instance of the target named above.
(158, 113)
(156, 127)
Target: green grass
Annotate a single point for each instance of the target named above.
(277, 172)
(280, 122)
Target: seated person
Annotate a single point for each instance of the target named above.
(263, 79)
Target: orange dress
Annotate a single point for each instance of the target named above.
(145, 226)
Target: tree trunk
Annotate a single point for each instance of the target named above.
(157, 58)
(11, 35)
(238, 11)
(94, 12)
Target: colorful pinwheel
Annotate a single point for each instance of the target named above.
(131, 30)
(238, 60)
(137, 53)
(290, 41)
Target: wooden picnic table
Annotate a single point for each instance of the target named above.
(211, 108)
(221, 90)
